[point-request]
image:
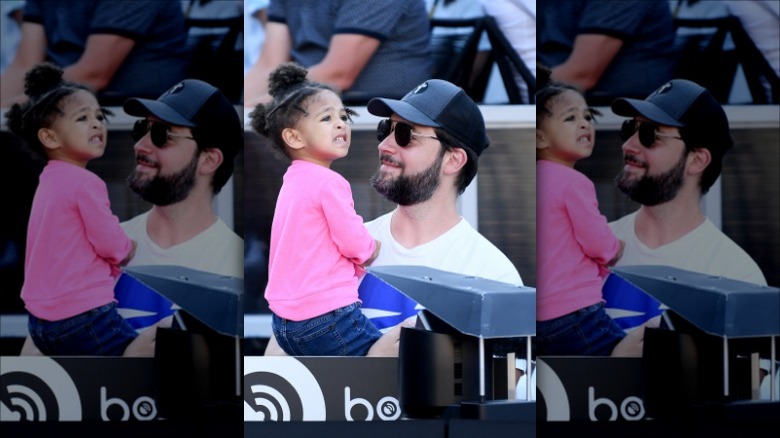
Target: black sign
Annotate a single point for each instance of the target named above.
(589, 389)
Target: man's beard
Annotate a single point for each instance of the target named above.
(165, 190)
(409, 190)
(653, 190)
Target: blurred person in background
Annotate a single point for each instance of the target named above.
(11, 13)
(362, 49)
(116, 48)
(608, 49)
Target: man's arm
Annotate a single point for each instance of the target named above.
(276, 50)
(347, 56)
(590, 57)
(103, 55)
(31, 51)
(633, 343)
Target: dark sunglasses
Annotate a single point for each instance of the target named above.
(648, 132)
(159, 132)
(403, 132)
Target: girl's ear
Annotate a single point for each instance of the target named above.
(292, 138)
(49, 138)
(542, 142)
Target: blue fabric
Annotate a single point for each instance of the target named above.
(589, 331)
(342, 332)
(138, 304)
(628, 306)
(97, 332)
(383, 304)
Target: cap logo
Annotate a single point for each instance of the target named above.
(176, 88)
(420, 88)
(664, 88)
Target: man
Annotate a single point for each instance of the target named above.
(428, 156)
(673, 151)
(200, 134)
(424, 176)
(185, 150)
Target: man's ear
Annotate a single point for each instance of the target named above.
(698, 160)
(292, 138)
(456, 160)
(49, 138)
(210, 160)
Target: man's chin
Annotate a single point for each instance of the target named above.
(144, 173)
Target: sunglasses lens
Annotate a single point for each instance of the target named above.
(646, 132)
(140, 129)
(159, 134)
(403, 134)
(403, 131)
(383, 129)
(646, 135)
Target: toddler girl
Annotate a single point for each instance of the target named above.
(74, 243)
(319, 245)
(575, 244)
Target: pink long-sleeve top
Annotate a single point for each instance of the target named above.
(74, 244)
(318, 244)
(573, 244)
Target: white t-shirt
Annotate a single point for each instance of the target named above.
(217, 249)
(461, 249)
(705, 249)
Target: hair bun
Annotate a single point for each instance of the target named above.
(284, 77)
(41, 79)
(257, 119)
(543, 76)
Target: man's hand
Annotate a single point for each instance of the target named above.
(387, 345)
(632, 344)
(131, 254)
(143, 344)
(374, 255)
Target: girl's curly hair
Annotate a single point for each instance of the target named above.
(547, 90)
(290, 90)
(45, 89)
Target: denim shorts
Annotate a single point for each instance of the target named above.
(97, 332)
(342, 332)
(585, 332)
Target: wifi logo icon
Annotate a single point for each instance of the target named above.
(281, 389)
(37, 389)
(556, 402)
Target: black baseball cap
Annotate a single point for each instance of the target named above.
(439, 104)
(196, 104)
(686, 105)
